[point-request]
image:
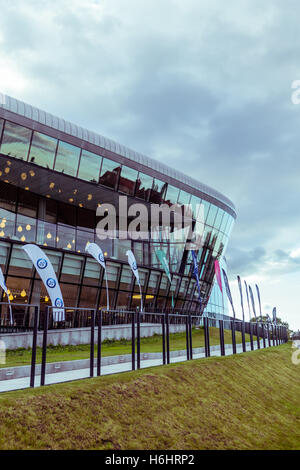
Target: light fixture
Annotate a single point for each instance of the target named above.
(51, 185)
(23, 293)
(7, 170)
(73, 241)
(2, 225)
(45, 244)
(1, 173)
(48, 196)
(27, 188)
(105, 254)
(75, 191)
(23, 239)
(57, 239)
(11, 297)
(148, 297)
(28, 227)
(90, 197)
(71, 199)
(20, 229)
(2, 234)
(137, 297)
(49, 236)
(8, 291)
(69, 246)
(8, 163)
(80, 205)
(24, 176)
(32, 173)
(46, 299)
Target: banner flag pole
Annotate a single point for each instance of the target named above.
(95, 251)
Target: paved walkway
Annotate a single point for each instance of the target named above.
(67, 376)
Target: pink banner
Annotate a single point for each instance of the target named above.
(218, 274)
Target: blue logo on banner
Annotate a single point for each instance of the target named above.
(59, 302)
(101, 258)
(134, 266)
(51, 283)
(42, 263)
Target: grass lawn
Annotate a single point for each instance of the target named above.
(112, 348)
(247, 401)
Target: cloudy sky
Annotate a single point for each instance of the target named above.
(202, 85)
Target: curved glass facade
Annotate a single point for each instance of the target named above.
(51, 184)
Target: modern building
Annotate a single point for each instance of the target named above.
(53, 177)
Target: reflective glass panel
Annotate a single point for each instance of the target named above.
(1, 126)
(82, 239)
(218, 219)
(25, 228)
(184, 198)
(7, 224)
(91, 272)
(224, 221)
(89, 167)
(42, 151)
(71, 269)
(143, 186)
(127, 180)
(28, 203)
(109, 173)
(16, 140)
(65, 237)
(4, 248)
(172, 195)
(126, 278)
(46, 233)
(211, 215)
(20, 264)
(8, 196)
(67, 158)
(158, 191)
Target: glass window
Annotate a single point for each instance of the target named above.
(91, 272)
(195, 203)
(153, 282)
(25, 228)
(8, 196)
(89, 167)
(66, 214)
(112, 270)
(158, 191)
(51, 210)
(67, 158)
(28, 203)
(71, 269)
(184, 198)
(218, 219)
(120, 249)
(16, 140)
(86, 219)
(127, 180)
(20, 264)
(1, 126)
(126, 278)
(172, 195)
(65, 237)
(224, 222)
(46, 233)
(109, 173)
(42, 151)
(82, 239)
(4, 249)
(7, 224)
(143, 186)
(55, 258)
(211, 215)
(88, 297)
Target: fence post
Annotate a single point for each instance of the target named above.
(257, 336)
(263, 334)
(34, 341)
(191, 337)
(233, 336)
(92, 344)
(206, 337)
(187, 338)
(138, 339)
(268, 334)
(44, 351)
(99, 343)
(221, 328)
(163, 338)
(168, 338)
(243, 337)
(251, 335)
(133, 340)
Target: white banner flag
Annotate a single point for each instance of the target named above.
(133, 264)
(95, 250)
(46, 272)
(3, 285)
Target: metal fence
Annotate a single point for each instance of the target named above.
(264, 334)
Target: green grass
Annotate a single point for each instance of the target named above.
(21, 357)
(247, 401)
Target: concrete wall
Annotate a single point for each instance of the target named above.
(74, 336)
